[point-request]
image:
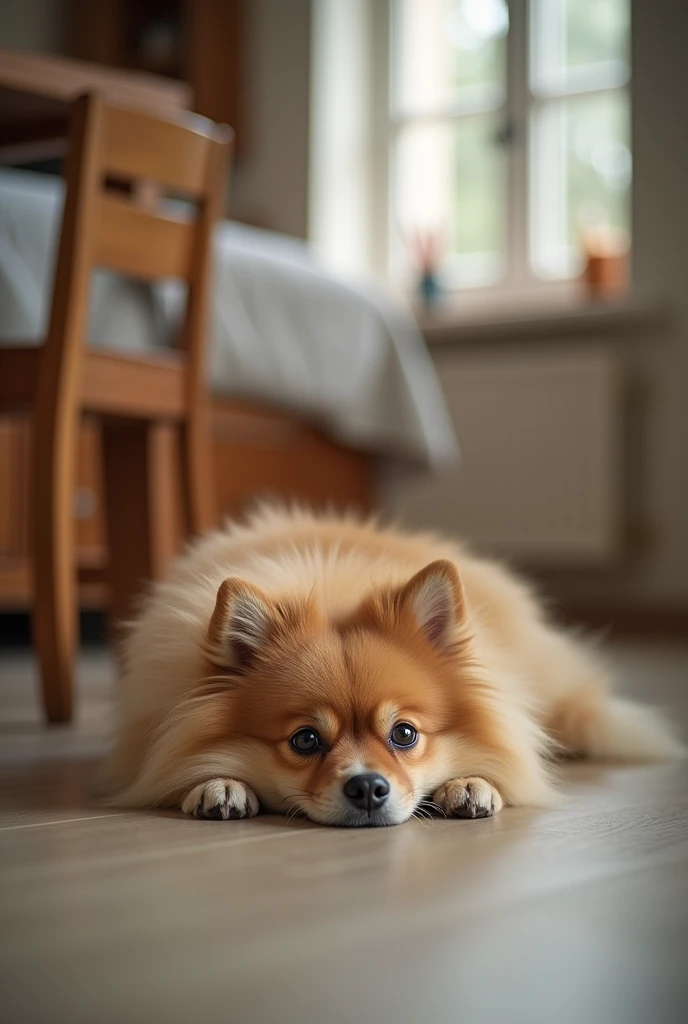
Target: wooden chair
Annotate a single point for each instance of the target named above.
(149, 406)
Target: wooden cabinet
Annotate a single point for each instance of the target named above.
(15, 552)
(199, 41)
(256, 453)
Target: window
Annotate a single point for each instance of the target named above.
(509, 135)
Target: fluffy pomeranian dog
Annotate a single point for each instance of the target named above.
(328, 667)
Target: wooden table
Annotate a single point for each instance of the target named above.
(36, 91)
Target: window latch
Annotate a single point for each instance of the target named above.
(506, 134)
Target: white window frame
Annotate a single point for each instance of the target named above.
(523, 102)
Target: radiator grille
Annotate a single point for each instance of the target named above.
(541, 476)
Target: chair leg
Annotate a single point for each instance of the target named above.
(54, 561)
(197, 473)
(142, 508)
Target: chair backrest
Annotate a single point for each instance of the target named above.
(182, 158)
(133, 231)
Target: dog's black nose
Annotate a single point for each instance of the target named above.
(367, 792)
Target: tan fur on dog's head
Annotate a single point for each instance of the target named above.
(350, 683)
(280, 670)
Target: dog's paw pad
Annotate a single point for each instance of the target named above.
(468, 798)
(221, 800)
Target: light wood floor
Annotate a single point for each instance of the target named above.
(577, 914)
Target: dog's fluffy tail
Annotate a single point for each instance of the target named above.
(595, 724)
(624, 730)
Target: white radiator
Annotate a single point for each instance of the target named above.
(541, 435)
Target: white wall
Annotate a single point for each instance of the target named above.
(340, 147)
(660, 268)
(270, 185)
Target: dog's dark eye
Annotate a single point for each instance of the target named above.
(306, 741)
(403, 735)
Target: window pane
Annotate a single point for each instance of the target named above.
(450, 182)
(448, 52)
(581, 176)
(579, 44)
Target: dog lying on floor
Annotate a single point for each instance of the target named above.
(324, 666)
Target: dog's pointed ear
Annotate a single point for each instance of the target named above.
(435, 601)
(241, 624)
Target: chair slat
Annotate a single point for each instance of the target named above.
(135, 242)
(138, 146)
(148, 389)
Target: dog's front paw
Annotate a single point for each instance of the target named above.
(221, 799)
(468, 798)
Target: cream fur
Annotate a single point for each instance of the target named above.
(541, 686)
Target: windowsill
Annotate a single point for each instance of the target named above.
(452, 324)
